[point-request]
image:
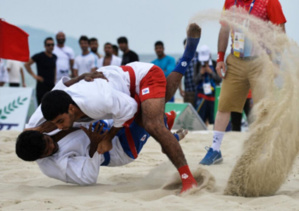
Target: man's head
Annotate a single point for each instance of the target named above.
(123, 44)
(60, 38)
(94, 45)
(83, 41)
(115, 50)
(108, 49)
(159, 48)
(49, 44)
(59, 108)
(32, 145)
(204, 54)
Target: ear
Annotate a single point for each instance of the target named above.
(72, 109)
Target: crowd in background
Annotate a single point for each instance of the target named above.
(59, 60)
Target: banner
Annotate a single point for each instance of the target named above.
(186, 118)
(14, 104)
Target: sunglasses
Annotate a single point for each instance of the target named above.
(48, 45)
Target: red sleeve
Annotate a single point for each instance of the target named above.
(275, 12)
(227, 5)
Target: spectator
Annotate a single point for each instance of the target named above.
(94, 45)
(109, 58)
(189, 93)
(236, 117)
(128, 55)
(46, 69)
(115, 50)
(65, 57)
(165, 62)
(15, 72)
(87, 61)
(237, 81)
(205, 78)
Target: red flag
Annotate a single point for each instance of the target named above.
(13, 42)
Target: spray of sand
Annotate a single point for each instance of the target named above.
(273, 142)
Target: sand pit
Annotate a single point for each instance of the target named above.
(140, 185)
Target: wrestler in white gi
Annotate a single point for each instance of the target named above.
(114, 99)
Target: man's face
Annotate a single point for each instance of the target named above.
(64, 121)
(123, 46)
(60, 38)
(84, 45)
(159, 50)
(49, 46)
(51, 146)
(108, 50)
(94, 46)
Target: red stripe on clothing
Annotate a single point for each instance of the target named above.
(209, 98)
(131, 142)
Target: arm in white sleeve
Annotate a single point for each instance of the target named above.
(83, 170)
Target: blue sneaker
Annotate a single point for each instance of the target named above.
(212, 157)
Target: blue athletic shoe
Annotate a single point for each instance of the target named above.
(212, 157)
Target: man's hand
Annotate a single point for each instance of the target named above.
(105, 145)
(86, 77)
(39, 78)
(202, 70)
(91, 76)
(95, 136)
(221, 70)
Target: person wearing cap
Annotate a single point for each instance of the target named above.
(206, 79)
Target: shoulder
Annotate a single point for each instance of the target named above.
(38, 55)
(67, 48)
(228, 4)
(171, 58)
(132, 53)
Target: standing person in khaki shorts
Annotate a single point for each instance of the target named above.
(243, 68)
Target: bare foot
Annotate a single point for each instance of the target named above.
(193, 31)
(182, 133)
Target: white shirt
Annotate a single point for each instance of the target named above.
(64, 55)
(3, 72)
(14, 74)
(115, 61)
(84, 63)
(72, 163)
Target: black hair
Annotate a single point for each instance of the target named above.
(159, 43)
(48, 38)
(108, 43)
(83, 38)
(122, 40)
(185, 40)
(30, 145)
(92, 40)
(55, 103)
(115, 48)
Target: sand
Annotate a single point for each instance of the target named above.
(138, 185)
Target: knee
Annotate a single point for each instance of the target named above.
(153, 127)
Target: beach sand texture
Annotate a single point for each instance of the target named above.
(139, 185)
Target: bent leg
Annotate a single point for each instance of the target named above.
(152, 118)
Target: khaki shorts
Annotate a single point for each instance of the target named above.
(241, 75)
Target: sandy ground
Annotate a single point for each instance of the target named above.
(138, 186)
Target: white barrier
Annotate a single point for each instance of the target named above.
(14, 104)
